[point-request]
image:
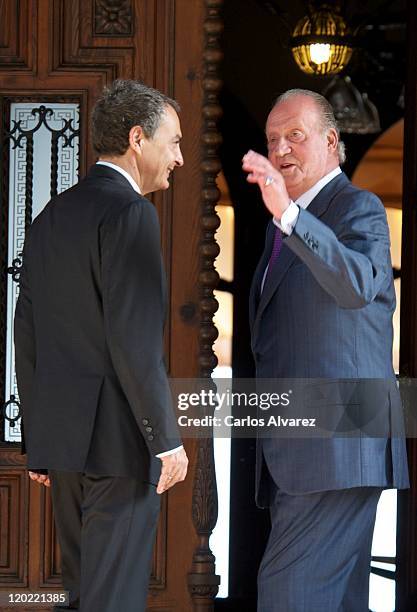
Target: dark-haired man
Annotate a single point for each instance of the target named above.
(89, 353)
(321, 304)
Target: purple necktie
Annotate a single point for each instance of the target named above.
(276, 249)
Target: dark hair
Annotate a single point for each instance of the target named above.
(325, 110)
(121, 106)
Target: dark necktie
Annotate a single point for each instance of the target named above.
(276, 249)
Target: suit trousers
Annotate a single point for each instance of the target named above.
(106, 528)
(318, 554)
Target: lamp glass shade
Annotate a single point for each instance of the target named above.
(320, 53)
(321, 43)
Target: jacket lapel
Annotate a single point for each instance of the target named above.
(286, 258)
(255, 291)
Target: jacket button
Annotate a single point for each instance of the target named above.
(150, 437)
(145, 421)
(148, 429)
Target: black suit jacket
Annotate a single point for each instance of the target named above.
(89, 333)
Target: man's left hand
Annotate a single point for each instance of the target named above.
(270, 181)
(40, 478)
(174, 469)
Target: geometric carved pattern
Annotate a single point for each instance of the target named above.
(13, 528)
(45, 138)
(113, 17)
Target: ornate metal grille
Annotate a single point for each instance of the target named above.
(40, 144)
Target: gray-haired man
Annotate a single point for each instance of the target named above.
(321, 303)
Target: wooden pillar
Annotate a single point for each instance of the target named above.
(407, 500)
(202, 580)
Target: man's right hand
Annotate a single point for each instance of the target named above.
(270, 182)
(174, 469)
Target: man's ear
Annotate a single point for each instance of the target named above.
(136, 138)
(332, 139)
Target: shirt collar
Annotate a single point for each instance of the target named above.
(123, 173)
(306, 198)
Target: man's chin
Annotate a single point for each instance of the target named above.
(162, 186)
(165, 184)
(292, 181)
(293, 187)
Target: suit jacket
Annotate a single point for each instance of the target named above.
(326, 313)
(89, 333)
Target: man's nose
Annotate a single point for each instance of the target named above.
(179, 159)
(282, 147)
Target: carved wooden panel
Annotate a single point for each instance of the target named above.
(18, 33)
(76, 42)
(50, 570)
(13, 528)
(113, 17)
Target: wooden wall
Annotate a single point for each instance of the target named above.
(74, 47)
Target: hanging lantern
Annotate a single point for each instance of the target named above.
(321, 42)
(354, 112)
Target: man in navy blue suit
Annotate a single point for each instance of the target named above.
(321, 305)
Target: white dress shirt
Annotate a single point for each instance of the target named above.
(290, 215)
(137, 189)
(123, 172)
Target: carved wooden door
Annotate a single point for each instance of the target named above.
(55, 58)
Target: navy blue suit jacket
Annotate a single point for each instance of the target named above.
(326, 312)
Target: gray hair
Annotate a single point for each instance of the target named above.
(121, 106)
(328, 120)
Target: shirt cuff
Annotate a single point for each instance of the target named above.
(169, 452)
(288, 219)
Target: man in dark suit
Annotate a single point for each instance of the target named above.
(321, 305)
(89, 353)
